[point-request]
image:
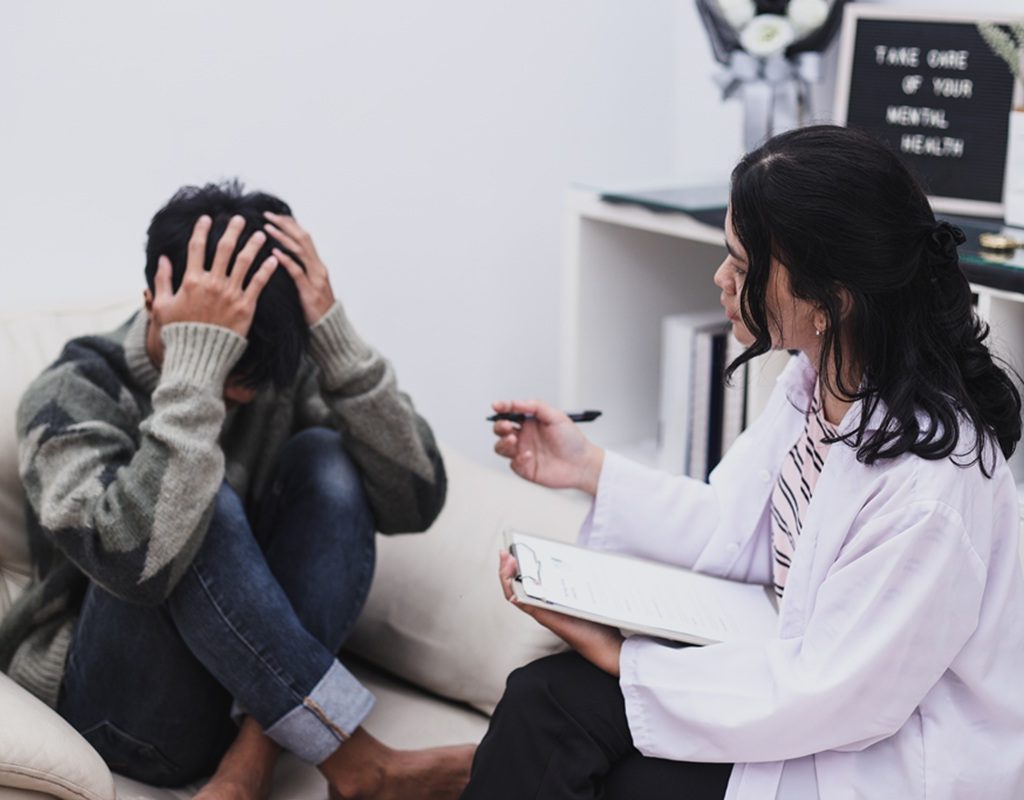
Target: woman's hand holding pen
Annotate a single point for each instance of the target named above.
(548, 449)
(600, 644)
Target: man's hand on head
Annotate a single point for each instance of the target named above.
(215, 296)
(313, 283)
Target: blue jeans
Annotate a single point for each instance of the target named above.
(252, 627)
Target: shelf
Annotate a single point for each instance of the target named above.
(985, 268)
(652, 211)
(626, 266)
(589, 205)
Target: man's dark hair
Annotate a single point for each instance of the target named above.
(279, 333)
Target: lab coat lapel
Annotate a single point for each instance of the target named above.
(830, 515)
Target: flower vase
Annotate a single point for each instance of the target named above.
(1013, 181)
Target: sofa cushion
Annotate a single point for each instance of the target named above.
(436, 615)
(40, 752)
(8, 793)
(28, 343)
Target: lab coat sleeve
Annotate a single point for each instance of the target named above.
(895, 608)
(650, 514)
(721, 527)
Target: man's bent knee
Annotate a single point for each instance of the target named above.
(315, 460)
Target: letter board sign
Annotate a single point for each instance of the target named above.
(929, 85)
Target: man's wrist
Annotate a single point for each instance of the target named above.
(336, 347)
(199, 353)
(320, 310)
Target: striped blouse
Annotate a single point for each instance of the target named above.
(793, 490)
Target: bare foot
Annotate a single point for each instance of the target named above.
(365, 769)
(233, 787)
(246, 769)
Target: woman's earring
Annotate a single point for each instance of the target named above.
(818, 332)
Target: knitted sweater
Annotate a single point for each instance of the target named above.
(121, 464)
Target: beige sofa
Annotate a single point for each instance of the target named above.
(435, 641)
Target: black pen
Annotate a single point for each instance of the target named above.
(576, 416)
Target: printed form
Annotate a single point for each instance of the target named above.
(640, 596)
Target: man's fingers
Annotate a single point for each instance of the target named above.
(197, 244)
(259, 280)
(289, 226)
(226, 245)
(297, 272)
(282, 237)
(162, 282)
(245, 258)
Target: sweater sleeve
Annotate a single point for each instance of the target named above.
(128, 500)
(392, 445)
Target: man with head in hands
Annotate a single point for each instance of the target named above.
(203, 485)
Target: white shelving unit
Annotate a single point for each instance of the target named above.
(627, 267)
(1004, 312)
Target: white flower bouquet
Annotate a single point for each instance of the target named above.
(770, 53)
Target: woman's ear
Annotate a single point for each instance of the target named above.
(845, 302)
(819, 321)
(147, 299)
(821, 317)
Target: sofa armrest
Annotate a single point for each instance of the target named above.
(40, 752)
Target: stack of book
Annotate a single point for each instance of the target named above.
(700, 416)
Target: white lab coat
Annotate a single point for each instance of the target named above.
(900, 657)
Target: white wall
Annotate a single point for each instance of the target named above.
(427, 146)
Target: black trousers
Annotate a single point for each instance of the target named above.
(560, 733)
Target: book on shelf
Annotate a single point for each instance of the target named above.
(734, 400)
(700, 416)
(705, 419)
(679, 394)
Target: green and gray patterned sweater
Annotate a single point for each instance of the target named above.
(121, 464)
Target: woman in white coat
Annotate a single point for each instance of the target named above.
(873, 492)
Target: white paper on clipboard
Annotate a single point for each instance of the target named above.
(640, 596)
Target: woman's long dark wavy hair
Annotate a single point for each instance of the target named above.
(840, 212)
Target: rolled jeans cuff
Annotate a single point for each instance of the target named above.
(326, 717)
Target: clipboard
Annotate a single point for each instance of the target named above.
(639, 596)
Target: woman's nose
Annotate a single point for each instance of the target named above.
(722, 280)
